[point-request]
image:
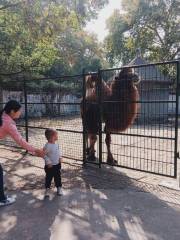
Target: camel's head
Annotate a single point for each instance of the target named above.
(91, 80)
(129, 76)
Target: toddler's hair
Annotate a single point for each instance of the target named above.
(49, 133)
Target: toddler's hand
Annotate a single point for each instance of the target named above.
(49, 165)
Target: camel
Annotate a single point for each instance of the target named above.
(119, 108)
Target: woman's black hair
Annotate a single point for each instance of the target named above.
(11, 105)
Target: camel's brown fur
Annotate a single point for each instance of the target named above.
(120, 109)
(119, 105)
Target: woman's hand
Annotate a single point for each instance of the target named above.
(40, 152)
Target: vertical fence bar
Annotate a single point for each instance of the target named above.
(84, 115)
(100, 115)
(26, 110)
(176, 121)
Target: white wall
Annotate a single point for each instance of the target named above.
(43, 108)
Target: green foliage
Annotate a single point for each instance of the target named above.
(47, 37)
(152, 25)
(78, 50)
(85, 10)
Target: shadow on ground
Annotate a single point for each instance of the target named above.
(98, 204)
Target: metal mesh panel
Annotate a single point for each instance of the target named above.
(51, 103)
(149, 144)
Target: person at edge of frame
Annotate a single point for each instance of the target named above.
(11, 112)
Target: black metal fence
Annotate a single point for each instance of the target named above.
(149, 145)
(48, 103)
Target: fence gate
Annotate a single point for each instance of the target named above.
(151, 143)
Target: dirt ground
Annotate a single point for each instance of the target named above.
(150, 147)
(108, 203)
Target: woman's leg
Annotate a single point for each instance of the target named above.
(2, 195)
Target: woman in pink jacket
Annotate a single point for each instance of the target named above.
(12, 111)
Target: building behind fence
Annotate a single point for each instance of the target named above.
(154, 91)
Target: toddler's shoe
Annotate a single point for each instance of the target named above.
(47, 193)
(60, 191)
(7, 201)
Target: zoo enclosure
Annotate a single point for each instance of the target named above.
(150, 145)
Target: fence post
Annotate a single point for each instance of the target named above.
(176, 120)
(26, 110)
(100, 115)
(84, 116)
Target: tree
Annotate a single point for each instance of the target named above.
(28, 33)
(78, 50)
(4, 4)
(85, 9)
(151, 25)
(40, 33)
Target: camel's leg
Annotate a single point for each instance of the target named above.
(110, 158)
(91, 149)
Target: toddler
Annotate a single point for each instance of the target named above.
(53, 160)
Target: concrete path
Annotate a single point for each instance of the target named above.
(98, 204)
(90, 214)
